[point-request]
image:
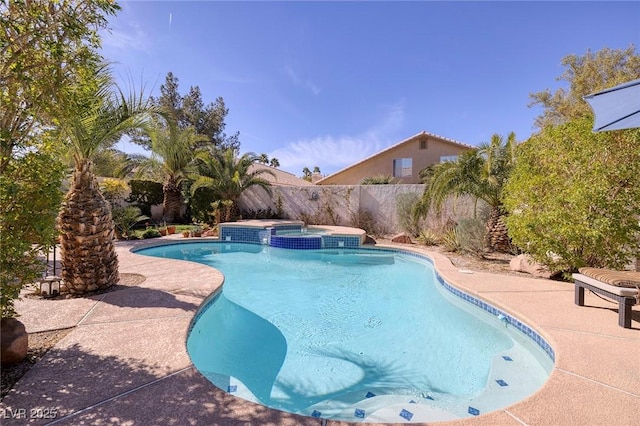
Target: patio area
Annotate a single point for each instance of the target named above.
(125, 362)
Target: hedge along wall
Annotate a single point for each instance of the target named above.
(337, 204)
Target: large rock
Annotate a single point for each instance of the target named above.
(524, 263)
(14, 341)
(402, 238)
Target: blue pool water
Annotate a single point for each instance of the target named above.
(353, 334)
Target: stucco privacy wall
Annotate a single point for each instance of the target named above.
(337, 204)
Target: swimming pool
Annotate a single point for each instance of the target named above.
(356, 335)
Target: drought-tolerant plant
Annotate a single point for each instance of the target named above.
(364, 219)
(126, 218)
(480, 173)
(451, 240)
(405, 205)
(428, 237)
(378, 180)
(471, 235)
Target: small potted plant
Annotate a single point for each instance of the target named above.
(171, 229)
(196, 232)
(162, 231)
(186, 233)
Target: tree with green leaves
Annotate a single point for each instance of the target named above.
(263, 158)
(173, 152)
(228, 175)
(97, 114)
(574, 197)
(274, 162)
(30, 196)
(190, 111)
(43, 46)
(480, 173)
(585, 74)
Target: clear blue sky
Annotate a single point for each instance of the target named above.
(329, 83)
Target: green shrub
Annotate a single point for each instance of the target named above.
(574, 197)
(29, 200)
(200, 208)
(150, 233)
(144, 194)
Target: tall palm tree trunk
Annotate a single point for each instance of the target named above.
(172, 202)
(497, 236)
(89, 260)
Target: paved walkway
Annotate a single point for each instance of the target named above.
(125, 362)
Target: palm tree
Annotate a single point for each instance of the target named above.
(97, 115)
(306, 174)
(228, 176)
(263, 158)
(274, 163)
(173, 151)
(480, 173)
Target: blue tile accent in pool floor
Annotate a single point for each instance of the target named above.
(507, 358)
(502, 382)
(232, 388)
(473, 411)
(316, 414)
(406, 414)
(359, 413)
(370, 395)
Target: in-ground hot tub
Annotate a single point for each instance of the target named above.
(291, 234)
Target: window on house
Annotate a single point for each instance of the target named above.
(402, 167)
(448, 158)
(423, 144)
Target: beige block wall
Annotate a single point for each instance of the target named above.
(337, 204)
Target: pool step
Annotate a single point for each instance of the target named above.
(379, 408)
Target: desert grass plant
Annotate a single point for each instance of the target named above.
(451, 240)
(363, 219)
(471, 234)
(405, 205)
(428, 237)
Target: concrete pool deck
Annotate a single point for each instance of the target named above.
(125, 361)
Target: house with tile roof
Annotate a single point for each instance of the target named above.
(278, 177)
(403, 160)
